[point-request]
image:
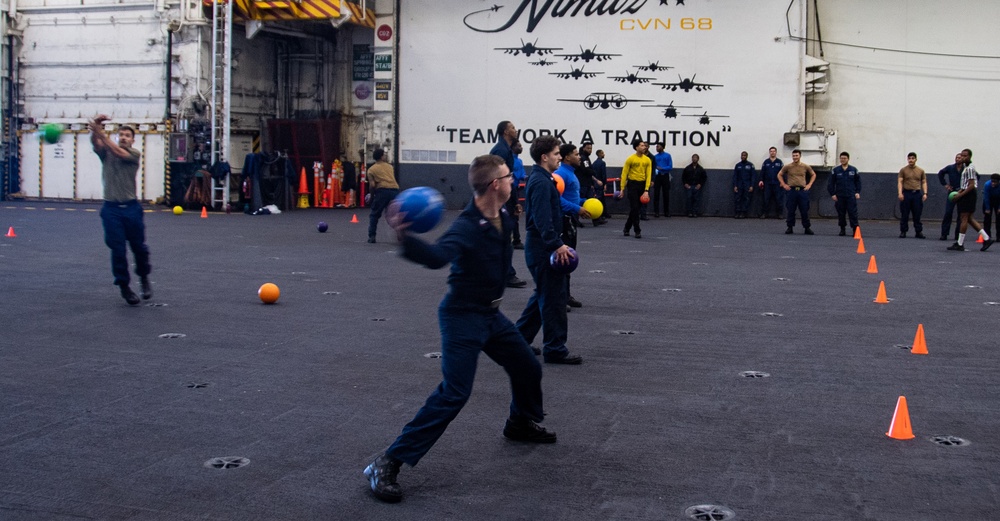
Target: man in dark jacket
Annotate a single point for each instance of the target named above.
(506, 136)
(950, 177)
(694, 178)
(743, 181)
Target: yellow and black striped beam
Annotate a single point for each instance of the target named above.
(272, 10)
(368, 20)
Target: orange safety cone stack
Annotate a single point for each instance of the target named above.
(880, 298)
(303, 190)
(354, 219)
(857, 232)
(861, 246)
(900, 428)
(919, 344)
(10, 232)
(872, 267)
(317, 182)
(363, 184)
(204, 213)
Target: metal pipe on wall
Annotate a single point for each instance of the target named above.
(170, 70)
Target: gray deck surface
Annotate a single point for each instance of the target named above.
(98, 419)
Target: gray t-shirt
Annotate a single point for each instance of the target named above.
(119, 175)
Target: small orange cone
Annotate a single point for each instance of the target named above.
(861, 245)
(204, 213)
(880, 298)
(857, 232)
(900, 428)
(919, 344)
(10, 232)
(872, 267)
(979, 240)
(303, 190)
(354, 219)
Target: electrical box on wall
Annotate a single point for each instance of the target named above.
(180, 147)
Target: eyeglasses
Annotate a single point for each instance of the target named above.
(503, 177)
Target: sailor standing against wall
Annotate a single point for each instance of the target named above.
(911, 186)
(796, 179)
(845, 189)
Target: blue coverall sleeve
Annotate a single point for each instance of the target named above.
(437, 255)
(831, 184)
(986, 195)
(857, 182)
(943, 176)
(568, 207)
(541, 215)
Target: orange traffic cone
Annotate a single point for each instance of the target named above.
(857, 232)
(204, 213)
(354, 219)
(303, 190)
(872, 267)
(979, 240)
(880, 298)
(919, 344)
(10, 232)
(861, 246)
(900, 428)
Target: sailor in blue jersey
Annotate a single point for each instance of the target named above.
(663, 163)
(514, 205)
(571, 205)
(991, 204)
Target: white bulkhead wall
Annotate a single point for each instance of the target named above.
(80, 60)
(935, 99)
(77, 60)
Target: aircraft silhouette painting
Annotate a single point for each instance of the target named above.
(686, 84)
(605, 100)
(527, 49)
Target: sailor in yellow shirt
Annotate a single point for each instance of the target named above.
(636, 175)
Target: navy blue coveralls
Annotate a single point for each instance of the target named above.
(546, 309)
(123, 225)
(470, 322)
(503, 150)
(601, 173)
(950, 175)
(844, 184)
(772, 188)
(743, 181)
(991, 207)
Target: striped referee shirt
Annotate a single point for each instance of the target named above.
(969, 174)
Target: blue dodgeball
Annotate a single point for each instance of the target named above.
(423, 207)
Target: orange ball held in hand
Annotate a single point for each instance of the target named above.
(560, 184)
